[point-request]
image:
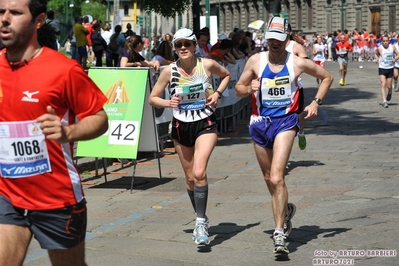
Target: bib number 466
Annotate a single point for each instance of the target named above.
(276, 91)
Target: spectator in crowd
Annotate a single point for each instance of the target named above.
(80, 33)
(335, 40)
(167, 37)
(116, 44)
(235, 51)
(99, 45)
(56, 26)
(222, 54)
(89, 28)
(221, 37)
(67, 46)
(155, 43)
(130, 55)
(129, 31)
(164, 53)
(203, 47)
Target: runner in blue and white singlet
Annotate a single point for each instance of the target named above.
(279, 93)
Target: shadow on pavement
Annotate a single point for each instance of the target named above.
(304, 234)
(140, 183)
(292, 165)
(222, 232)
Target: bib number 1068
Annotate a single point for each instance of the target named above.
(123, 132)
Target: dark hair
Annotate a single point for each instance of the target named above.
(78, 19)
(236, 38)
(96, 26)
(203, 33)
(118, 29)
(37, 7)
(130, 45)
(50, 14)
(165, 49)
(225, 44)
(129, 26)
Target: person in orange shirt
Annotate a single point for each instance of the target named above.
(342, 48)
(222, 54)
(88, 27)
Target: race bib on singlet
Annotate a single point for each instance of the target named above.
(276, 92)
(192, 97)
(342, 51)
(23, 150)
(387, 60)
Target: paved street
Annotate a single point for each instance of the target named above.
(345, 186)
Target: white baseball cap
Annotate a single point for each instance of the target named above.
(184, 34)
(277, 28)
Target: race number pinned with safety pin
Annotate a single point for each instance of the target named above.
(192, 97)
(276, 92)
(23, 150)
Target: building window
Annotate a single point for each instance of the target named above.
(299, 17)
(358, 16)
(392, 18)
(309, 17)
(126, 10)
(328, 22)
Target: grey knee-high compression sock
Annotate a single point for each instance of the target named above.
(191, 196)
(201, 199)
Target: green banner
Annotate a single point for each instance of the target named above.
(126, 91)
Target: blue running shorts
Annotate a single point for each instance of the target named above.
(263, 130)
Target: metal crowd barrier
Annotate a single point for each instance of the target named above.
(230, 111)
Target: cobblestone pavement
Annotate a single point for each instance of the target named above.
(345, 186)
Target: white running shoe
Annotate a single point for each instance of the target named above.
(200, 233)
(279, 244)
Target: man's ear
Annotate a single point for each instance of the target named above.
(40, 20)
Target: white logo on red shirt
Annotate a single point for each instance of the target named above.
(28, 97)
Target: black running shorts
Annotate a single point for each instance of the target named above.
(187, 133)
(54, 229)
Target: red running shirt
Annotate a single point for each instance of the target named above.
(27, 89)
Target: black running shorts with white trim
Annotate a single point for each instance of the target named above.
(54, 229)
(187, 133)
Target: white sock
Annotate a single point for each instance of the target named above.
(200, 220)
(279, 231)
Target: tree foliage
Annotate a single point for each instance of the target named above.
(166, 8)
(80, 8)
(98, 8)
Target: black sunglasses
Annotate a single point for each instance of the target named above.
(180, 44)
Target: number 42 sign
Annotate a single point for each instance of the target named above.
(127, 91)
(123, 132)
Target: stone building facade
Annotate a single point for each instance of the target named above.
(308, 16)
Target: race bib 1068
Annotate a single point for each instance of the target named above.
(23, 150)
